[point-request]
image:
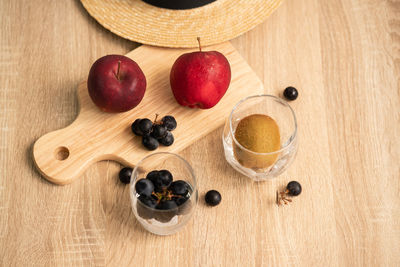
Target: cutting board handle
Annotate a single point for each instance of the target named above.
(54, 157)
(63, 155)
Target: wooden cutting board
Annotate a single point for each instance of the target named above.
(61, 156)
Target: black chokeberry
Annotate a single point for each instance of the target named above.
(145, 207)
(145, 125)
(144, 187)
(213, 198)
(135, 128)
(290, 93)
(166, 178)
(125, 175)
(167, 140)
(150, 142)
(168, 210)
(294, 188)
(160, 179)
(179, 188)
(159, 131)
(152, 175)
(169, 122)
(148, 201)
(167, 205)
(180, 200)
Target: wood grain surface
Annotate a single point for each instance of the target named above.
(343, 56)
(63, 155)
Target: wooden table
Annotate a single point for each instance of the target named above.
(343, 56)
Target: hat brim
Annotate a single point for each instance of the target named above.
(216, 22)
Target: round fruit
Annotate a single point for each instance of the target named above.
(160, 179)
(200, 79)
(159, 131)
(169, 122)
(152, 175)
(179, 188)
(184, 206)
(294, 188)
(168, 211)
(125, 175)
(167, 205)
(148, 201)
(180, 200)
(116, 83)
(145, 205)
(168, 139)
(144, 187)
(135, 128)
(150, 142)
(290, 93)
(145, 126)
(166, 178)
(213, 198)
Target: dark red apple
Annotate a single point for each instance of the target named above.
(116, 83)
(200, 79)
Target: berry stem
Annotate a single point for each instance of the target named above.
(198, 40)
(155, 120)
(282, 197)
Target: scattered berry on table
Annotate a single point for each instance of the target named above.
(294, 188)
(213, 198)
(290, 93)
(125, 175)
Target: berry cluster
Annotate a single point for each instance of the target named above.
(155, 133)
(158, 191)
(293, 189)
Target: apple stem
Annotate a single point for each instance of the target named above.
(198, 40)
(119, 66)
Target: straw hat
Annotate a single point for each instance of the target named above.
(215, 22)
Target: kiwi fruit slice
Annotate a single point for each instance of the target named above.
(258, 133)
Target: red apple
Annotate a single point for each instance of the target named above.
(200, 79)
(116, 83)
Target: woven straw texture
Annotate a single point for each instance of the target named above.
(216, 22)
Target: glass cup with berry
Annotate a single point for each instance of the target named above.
(260, 137)
(163, 193)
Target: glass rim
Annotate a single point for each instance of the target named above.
(285, 103)
(135, 170)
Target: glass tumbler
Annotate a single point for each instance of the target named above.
(164, 222)
(261, 166)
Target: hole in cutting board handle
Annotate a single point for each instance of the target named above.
(61, 153)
